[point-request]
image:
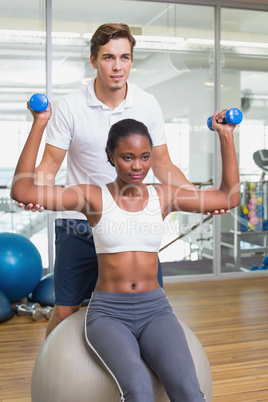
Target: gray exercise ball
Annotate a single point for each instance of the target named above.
(64, 371)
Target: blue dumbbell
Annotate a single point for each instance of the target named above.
(38, 102)
(232, 116)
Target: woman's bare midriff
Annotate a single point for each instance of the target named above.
(127, 272)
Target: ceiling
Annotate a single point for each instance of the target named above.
(132, 12)
(154, 18)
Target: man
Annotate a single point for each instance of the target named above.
(80, 125)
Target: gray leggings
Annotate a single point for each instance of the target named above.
(122, 327)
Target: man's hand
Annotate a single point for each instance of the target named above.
(31, 207)
(220, 211)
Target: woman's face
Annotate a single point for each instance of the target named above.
(132, 158)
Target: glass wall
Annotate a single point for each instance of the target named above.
(22, 66)
(244, 84)
(174, 60)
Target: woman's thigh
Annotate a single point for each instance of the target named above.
(115, 346)
(164, 347)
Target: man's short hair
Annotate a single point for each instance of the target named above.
(109, 31)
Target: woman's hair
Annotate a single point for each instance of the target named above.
(106, 32)
(124, 129)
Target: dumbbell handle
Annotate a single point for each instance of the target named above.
(34, 305)
(23, 310)
(38, 102)
(46, 312)
(232, 116)
(35, 314)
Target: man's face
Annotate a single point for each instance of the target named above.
(113, 63)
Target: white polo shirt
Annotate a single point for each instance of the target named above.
(80, 124)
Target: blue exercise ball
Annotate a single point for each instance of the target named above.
(44, 293)
(6, 311)
(20, 266)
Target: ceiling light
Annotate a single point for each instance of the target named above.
(37, 34)
(211, 84)
(87, 36)
(196, 41)
(66, 35)
(152, 42)
(244, 44)
(162, 39)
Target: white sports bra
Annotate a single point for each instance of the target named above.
(119, 230)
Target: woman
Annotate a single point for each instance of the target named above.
(129, 315)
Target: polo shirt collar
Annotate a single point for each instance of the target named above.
(92, 100)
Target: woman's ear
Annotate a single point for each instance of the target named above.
(111, 159)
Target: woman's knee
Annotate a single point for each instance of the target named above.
(138, 388)
(186, 391)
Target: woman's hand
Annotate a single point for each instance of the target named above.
(222, 129)
(42, 116)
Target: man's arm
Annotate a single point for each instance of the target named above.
(49, 166)
(165, 171)
(46, 171)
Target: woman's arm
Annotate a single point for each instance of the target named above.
(167, 173)
(228, 195)
(23, 188)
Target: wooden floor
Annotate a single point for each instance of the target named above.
(230, 319)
